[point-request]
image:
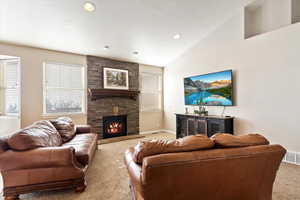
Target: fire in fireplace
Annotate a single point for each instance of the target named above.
(114, 126)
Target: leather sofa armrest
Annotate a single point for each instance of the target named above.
(134, 170)
(39, 158)
(81, 129)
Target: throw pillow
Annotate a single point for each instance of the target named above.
(65, 127)
(40, 134)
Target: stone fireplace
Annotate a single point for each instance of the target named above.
(104, 106)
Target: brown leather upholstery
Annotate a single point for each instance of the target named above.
(3, 143)
(65, 127)
(49, 160)
(153, 147)
(229, 140)
(84, 145)
(245, 173)
(40, 134)
(45, 168)
(83, 129)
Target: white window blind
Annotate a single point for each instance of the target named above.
(63, 88)
(151, 92)
(11, 87)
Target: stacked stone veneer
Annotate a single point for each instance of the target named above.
(96, 109)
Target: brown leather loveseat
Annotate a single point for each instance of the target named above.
(224, 167)
(47, 155)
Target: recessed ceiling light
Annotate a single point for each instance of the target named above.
(89, 6)
(177, 36)
(106, 47)
(135, 53)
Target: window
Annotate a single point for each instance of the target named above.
(64, 91)
(151, 91)
(10, 86)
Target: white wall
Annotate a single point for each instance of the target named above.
(9, 124)
(32, 78)
(266, 75)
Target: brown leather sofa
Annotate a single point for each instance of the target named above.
(235, 168)
(46, 156)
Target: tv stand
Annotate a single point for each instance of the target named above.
(191, 124)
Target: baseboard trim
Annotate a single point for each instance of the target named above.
(150, 132)
(168, 131)
(292, 157)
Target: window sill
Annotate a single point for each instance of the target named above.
(9, 117)
(53, 115)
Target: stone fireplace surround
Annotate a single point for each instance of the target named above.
(97, 109)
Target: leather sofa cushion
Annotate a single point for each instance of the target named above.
(84, 145)
(83, 129)
(3, 144)
(40, 134)
(65, 127)
(227, 140)
(154, 147)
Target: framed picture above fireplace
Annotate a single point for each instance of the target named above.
(115, 79)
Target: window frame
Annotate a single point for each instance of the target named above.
(84, 90)
(4, 87)
(158, 92)
(2, 90)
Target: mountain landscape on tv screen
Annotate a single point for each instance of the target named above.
(210, 89)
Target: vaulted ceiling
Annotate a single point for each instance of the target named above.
(145, 26)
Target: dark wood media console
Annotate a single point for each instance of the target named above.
(191, 124)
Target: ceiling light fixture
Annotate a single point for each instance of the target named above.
(106, 47)
(89, 6)
(135, 53)
(177, 36)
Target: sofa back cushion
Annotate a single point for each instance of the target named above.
(3, 144)
(227, 140)
(40, 134)
(65, 127)
(153, 147)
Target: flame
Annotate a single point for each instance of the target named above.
(114, 127)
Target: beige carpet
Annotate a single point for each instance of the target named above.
(108, 180)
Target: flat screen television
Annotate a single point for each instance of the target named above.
(213, 89)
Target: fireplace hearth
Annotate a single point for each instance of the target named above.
(114, 126)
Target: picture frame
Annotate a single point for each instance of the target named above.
(115, 79)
